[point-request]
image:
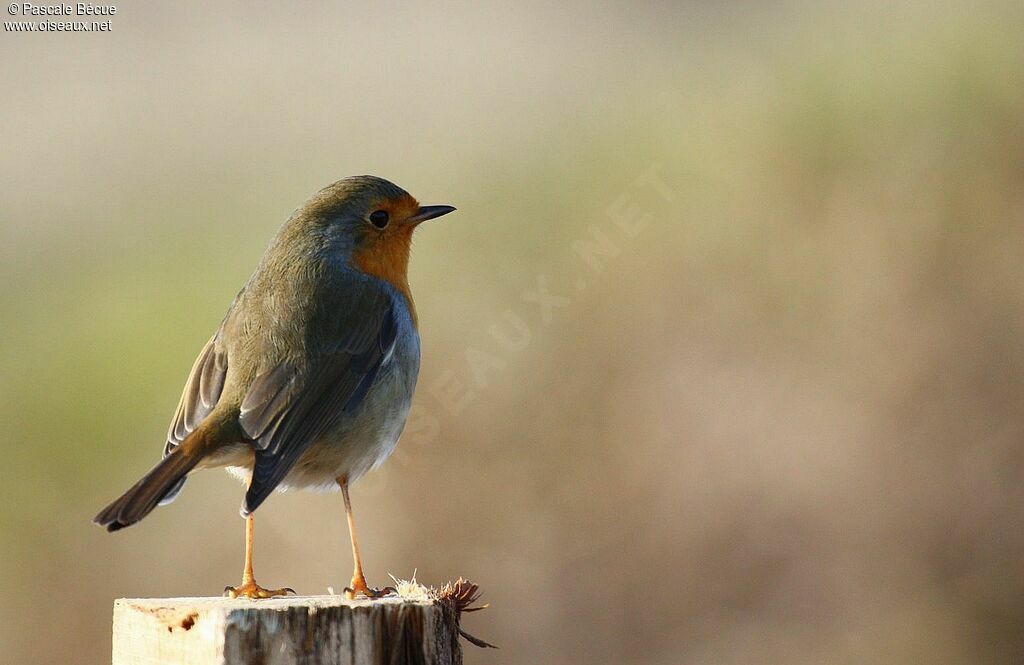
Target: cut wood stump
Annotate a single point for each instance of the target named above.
(311, 630)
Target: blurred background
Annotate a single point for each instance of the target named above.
(722, 356)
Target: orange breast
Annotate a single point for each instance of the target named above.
(387, 257)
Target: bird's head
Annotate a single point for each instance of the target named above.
(371, 221)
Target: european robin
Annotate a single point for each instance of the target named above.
(307, 382)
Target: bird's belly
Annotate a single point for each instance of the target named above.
(351, 450)
(358, 441)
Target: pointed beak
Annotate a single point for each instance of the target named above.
(429, 212)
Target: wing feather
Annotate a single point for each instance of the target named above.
(202, 391)
(289, 408)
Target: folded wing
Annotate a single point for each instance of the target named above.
(292, 405)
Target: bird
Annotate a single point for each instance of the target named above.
(308, 380)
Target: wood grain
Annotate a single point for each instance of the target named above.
(311, 630)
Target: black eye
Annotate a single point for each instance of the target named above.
(379, 218)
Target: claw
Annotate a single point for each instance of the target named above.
(254, 591)
(369, 592)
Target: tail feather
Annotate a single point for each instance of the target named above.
(162, 481)
(173, 494)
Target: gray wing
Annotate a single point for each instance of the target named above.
(287, 408)
(202, 391)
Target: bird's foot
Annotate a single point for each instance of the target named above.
(249, 589)
(359, 586)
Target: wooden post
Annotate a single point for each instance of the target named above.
(311, 630)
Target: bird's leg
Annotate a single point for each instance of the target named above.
(248, 588)
(358, 584)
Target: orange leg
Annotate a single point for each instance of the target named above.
(358, 584)
(248, 588)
